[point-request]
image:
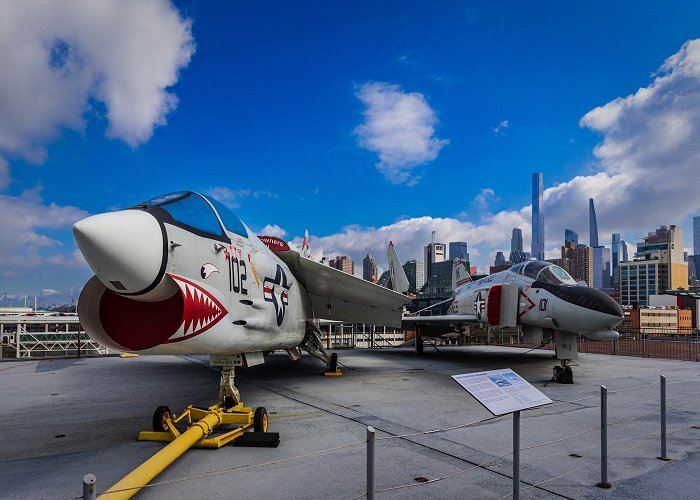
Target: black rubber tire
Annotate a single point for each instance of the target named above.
(159, 418)
(260, 420)
(568, 375)
(333, 366)
(558, 373)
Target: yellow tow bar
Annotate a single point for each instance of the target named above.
(201, 423)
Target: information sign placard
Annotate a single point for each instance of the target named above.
(501, 391)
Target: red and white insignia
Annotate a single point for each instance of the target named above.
(527, 307)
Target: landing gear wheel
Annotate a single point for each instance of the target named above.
(558, 372)
(333, 365)
(229, 402)
(160, 417)
(568, 377)
(260, 420)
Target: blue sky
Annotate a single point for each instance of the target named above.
(262, 104)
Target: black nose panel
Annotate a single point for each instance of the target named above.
(582, 296)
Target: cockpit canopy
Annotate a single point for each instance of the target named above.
(544, 272)
(197, 213)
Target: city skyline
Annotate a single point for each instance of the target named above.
(268, 110)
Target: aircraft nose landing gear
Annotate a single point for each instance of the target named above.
(563, 374)
(229, 395)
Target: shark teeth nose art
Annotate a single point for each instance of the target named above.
(201, 310)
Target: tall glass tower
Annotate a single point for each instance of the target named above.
(619, 254)
(537, 246)
(696, 235)
(571, 235)
(593, 223)
(696, 251)
(458, 250)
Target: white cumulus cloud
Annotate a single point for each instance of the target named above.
(400, 127)
(273, 230)
(481, 200)
(22, 246)
(646, 174)
(59, 59)
(411, 235)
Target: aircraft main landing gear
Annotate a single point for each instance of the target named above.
(313, 345)
(563, 374)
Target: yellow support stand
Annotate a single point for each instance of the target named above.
(238, 415)
(201, 424)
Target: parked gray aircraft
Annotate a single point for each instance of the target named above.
(539, 296)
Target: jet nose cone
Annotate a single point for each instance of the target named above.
(608, 305)
(590, 298)
(125, 249)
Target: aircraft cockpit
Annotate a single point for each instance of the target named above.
(544, 272)
(194, 212)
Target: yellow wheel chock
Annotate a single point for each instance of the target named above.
(200, 425)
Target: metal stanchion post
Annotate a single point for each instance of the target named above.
(516, 455)
(662, 379)
(370, 462)
(89, 487)
(604, 438)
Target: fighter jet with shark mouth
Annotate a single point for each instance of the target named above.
(541, 297)
(181, 274)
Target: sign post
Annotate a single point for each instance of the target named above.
(502, 392)
(516, 455)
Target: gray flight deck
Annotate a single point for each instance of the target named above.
(65, 418)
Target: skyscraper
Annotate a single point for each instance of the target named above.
(516, 240)
(414, 273)
(601, 267)
(657, 266)
(458, 250)
(435, 252)
(500, 259)
(370, 271)
(516, 247)
(592, 223)
(571, 235)
(696, 251)
(343, 263)
(577, 260)
(537, 246)
(619, 254)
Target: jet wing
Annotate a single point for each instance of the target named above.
(336, 295)
(444, 319)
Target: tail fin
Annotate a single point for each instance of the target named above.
(399, 280)
(460, 273)
(305, 245)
